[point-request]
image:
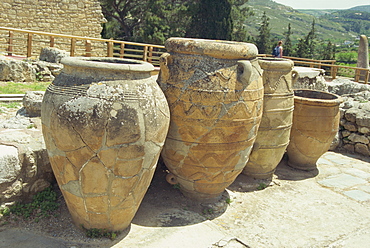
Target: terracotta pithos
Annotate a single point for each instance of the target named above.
(215, 93)
(315, 123)
(104, 122)
(274, 131)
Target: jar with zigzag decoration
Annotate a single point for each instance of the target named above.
(104, 122)
(274, 131)
(215, 94)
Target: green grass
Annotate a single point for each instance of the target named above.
(100, 233)
(344, 72)
(11, 104)
(42, 205)
(21, 88)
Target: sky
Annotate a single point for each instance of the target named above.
(323, 4)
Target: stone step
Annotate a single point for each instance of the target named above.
(11, 97)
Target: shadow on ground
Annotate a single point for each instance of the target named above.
(165, 206)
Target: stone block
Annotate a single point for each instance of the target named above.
(362, 149)
(349, 147)
(357, 195)
(52, 54)
(342, 181)
(350, 115)
(364, 130)
(363, 119)
(9, 164)
(358, 138)
(350, 126)
(345, 133)
(16, 70)
(32, 103)
(24, 165)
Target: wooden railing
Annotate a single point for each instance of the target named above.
(29, 43)
(361, 75)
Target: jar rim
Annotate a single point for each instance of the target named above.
(109, 63)
(222, 49)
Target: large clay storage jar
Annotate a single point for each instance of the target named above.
(104, 122)
(215, 94)
(315, 123)
(274, 131)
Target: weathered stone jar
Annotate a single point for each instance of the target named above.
(274, 131)
(315, 123)
(215, 93)
(104, 122)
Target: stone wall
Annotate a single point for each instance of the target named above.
(354, 133)
(69, 17)
(74, 17)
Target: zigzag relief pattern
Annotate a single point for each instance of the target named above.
(196, 111)
(212, 175)
(176, 93)
(212, 159)
(237, 110)
(275, 82)
(215, 135)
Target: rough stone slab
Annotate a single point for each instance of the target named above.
(358, 138)
(294, 214)
(205, 234)
(9, 163)
(342, 181)
(357, 239)
(365, 188)
(358, 173)
(336, 158)
(308, 72)
(358, 195)
(21, 238)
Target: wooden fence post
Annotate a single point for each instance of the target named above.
(73, 47)
(88, 48)
(122, 50)
(29, 45)
(150, 54)
(145, 53)
(52, 41)
(110, 49)
(334, 75)
(357, 75)
(10, 44)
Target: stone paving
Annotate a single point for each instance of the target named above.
(346, 175)
(328, 207)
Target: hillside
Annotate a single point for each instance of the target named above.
(353, 20)
(365, 8)
(281, 15)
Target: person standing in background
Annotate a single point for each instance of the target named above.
(278, 50)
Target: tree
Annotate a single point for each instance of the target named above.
(129, 14)
(328, 52)
(211, 19)
(263, 39)
(302, 49)
(306, 46)
(310, 40)
(288, 47)
(239, 14)
(164, 19)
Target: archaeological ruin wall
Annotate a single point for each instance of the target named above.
(68, 17)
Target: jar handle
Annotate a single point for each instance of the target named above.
(244, 72)
(295, 76)
(164, 72)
